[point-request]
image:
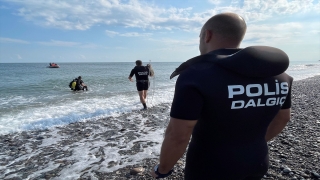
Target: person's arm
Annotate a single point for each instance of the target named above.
(151, 72)
(278, 123)
(174, 145)
(82, 83)
(185, 111)
(131, 75)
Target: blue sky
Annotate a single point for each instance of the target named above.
(158, 30)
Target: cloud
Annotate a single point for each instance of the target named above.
(315, 32)
(80, 15)
(50, 43)
(170, 43)
(10, 40)
(293, 32)
(215, 2)
(129, 34)
(111, 33)
(135, 34)
(89, 45)
(83, 15)
(59, 43)
(3, 7)
(82, 56)
(19, 57)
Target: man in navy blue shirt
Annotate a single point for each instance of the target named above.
(142, 74)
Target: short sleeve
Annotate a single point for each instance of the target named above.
(187, 102)
(132, 73)
(287, 102)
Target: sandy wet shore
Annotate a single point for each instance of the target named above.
(110, 148)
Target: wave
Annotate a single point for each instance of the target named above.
(310, 64)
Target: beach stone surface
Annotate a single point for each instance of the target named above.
(49, 153)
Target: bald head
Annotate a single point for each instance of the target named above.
(225, 30)
(228, 26)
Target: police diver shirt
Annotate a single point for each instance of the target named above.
(141, 73)
(233, 113)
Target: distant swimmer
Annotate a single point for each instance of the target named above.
(142, 74)
(80, 85)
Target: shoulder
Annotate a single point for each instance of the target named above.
(285, 77)
(198, 71)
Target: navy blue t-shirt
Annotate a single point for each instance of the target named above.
(141, 73)
(233, 113)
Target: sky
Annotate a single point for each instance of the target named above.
(42, 31)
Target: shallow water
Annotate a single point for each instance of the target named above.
(34, 96)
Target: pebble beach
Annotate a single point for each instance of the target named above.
(124, 147)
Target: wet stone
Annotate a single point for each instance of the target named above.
(111, 164)
(137, 170)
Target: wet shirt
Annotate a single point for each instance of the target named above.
(141, 73)
(79, 82)
(233, 113)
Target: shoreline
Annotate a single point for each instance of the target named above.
(109, 148)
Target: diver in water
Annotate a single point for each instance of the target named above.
(80, 85)
(73, 84)
(142, 74)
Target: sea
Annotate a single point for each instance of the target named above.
(35, 97)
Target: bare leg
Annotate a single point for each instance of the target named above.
(145, 94)
(141, 95)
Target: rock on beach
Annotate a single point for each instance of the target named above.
(118, 148)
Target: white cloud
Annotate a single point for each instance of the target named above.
(285, 33)
(215, 2)
(3, 7)
(89, 45)
(315, 32)
(19, 57)
(135, 34)
(129, 34)
(59, 43)
(280, 6)
(82, 15)
(82, 56)
(170, 43)
(10, 40)
(111, 33)
(76, 14)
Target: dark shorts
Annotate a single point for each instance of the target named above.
(216, 164)
(142, 86)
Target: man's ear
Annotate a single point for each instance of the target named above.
(208, 36)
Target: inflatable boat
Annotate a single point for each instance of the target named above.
(53, 65)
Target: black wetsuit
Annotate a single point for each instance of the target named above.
(142, 77)
(79, 85)
(233, 113)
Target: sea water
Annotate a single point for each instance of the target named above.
(33, 96)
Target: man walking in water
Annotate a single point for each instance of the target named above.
(230, 110)
(142, 74)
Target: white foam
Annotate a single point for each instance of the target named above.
(301, 70)
(83, 152)
(60, 113)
